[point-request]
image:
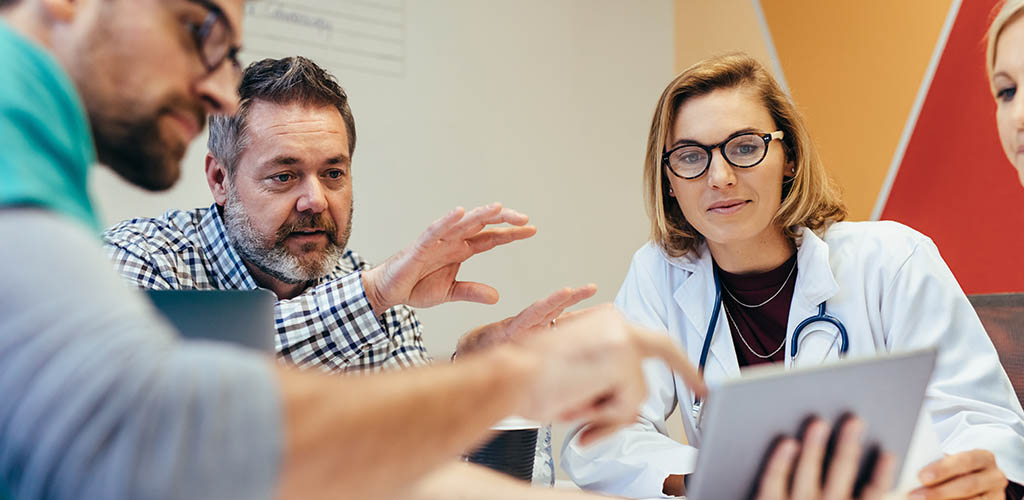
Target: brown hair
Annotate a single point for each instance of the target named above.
(811, 199)
(280, 81)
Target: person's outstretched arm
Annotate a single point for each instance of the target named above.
(371, 436)
(102, 400)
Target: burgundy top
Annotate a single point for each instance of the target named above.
(762, 328)
(1014, 491)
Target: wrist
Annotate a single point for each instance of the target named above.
(483, 337)
(515, 370)
(467, 342)
(370, 278)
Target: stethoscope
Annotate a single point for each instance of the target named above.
(822, 316)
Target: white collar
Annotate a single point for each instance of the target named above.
(815, 282)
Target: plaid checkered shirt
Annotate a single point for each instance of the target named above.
(330, 326)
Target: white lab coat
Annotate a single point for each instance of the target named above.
(892, 290)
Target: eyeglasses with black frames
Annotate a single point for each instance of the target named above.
(213, 39)
(742, 150)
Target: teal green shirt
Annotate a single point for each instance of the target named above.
(46, 147)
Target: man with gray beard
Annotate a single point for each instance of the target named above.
(280, 171)
(102, 399)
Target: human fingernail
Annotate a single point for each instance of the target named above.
(818, 431)
(857, 427)
(789, 448)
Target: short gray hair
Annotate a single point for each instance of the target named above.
(292, 80)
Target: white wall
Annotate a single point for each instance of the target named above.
(542, 105)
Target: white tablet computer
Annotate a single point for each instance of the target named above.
(743, 417)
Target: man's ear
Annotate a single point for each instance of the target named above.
(217, 178)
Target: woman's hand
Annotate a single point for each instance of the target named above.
(971, 474)
(795, 472)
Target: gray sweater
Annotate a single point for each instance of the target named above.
(100, 399)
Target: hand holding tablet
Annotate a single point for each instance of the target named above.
(805, 470)
(746, 431)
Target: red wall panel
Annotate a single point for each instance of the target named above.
(954, 183)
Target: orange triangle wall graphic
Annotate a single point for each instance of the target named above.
(855, 69)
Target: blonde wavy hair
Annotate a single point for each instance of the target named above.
(811, 199)
(1008, 11)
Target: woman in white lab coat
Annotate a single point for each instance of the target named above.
(734, 186)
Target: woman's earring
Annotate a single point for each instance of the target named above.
(671, 192)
